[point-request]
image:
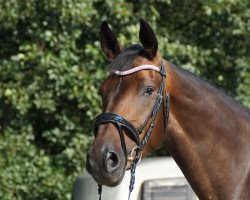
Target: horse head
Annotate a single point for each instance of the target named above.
(132, 97)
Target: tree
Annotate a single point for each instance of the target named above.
(51, 66)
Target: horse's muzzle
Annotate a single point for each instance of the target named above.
(108, 170)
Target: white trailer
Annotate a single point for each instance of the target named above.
(156, 179)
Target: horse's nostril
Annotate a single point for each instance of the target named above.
(111, 161)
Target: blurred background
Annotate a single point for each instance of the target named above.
(51, 65)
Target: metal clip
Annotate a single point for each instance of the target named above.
(137, 158)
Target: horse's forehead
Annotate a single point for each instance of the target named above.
(117, 82)
(123, 88)
(113, 81)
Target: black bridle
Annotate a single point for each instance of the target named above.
(122, 124)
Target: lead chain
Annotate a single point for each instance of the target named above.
(100, 191)
(132, 178)
(146, 137)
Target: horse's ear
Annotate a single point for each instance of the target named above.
(148, 39)
(109, 43)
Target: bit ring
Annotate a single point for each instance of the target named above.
(131, 157)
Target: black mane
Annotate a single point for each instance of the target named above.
(218, 91)
(125, 59)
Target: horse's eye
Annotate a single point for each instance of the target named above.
(148, 91)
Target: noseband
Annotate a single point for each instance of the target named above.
(122, 124)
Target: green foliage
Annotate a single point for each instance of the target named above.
(51, 66)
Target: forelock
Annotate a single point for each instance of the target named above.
(125, 59)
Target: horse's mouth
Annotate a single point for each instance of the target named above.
(109, 180)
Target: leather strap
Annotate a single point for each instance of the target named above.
(119, 121)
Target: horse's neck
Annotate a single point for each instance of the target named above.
(206, 138)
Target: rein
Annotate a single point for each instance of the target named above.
(122, 123)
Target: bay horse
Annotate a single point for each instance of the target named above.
(207, 133)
